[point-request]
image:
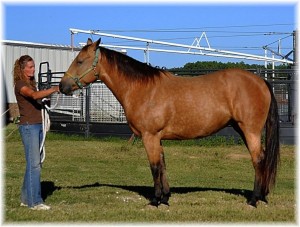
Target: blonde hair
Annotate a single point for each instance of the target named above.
(18, 70)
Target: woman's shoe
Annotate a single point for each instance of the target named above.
(40, 207)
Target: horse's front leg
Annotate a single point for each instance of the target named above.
(158, 169)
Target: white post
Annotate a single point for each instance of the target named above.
(273, 66)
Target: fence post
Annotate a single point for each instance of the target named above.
(87, 112)
(292, 95)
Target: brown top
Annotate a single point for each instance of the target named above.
(30, 109)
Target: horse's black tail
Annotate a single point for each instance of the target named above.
(271, 152)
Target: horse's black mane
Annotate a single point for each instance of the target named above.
(131, 68)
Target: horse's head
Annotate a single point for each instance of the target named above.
(83, 69)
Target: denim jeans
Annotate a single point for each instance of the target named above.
(32, 135)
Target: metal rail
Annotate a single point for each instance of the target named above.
(201, 50)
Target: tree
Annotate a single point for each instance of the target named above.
(214, 65)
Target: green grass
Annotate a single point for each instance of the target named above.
(109, 181)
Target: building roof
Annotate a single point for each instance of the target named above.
(38, 45)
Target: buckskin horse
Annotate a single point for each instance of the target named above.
(159, 105)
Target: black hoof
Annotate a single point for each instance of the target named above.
(252, 204)
(165, 200)
(165, 203)
(263, 199)
(154, 202)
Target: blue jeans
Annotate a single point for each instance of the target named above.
(32, 136)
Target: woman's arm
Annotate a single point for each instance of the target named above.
(27, 92)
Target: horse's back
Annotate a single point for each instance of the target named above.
(229, 85)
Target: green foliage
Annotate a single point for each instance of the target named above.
(108, 181)
(214, 65)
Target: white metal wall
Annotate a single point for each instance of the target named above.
(59, 58)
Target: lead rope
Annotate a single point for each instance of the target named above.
(46, 125)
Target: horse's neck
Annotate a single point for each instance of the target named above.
(130, 92)
(121, 87)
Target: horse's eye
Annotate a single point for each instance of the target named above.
(79, 62)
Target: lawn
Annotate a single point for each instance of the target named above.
(108, 180)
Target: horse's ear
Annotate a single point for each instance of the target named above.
(89, 41)
(98, 42)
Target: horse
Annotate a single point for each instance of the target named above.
(161, 106)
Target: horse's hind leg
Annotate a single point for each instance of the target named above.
(165, 185)
(255, 148)
(157, 164)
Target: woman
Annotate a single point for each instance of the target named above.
(30, 128)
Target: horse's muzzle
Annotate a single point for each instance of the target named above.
(65, 87)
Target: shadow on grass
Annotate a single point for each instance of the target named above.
(48, 187)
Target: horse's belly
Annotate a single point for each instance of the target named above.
(189, 128)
